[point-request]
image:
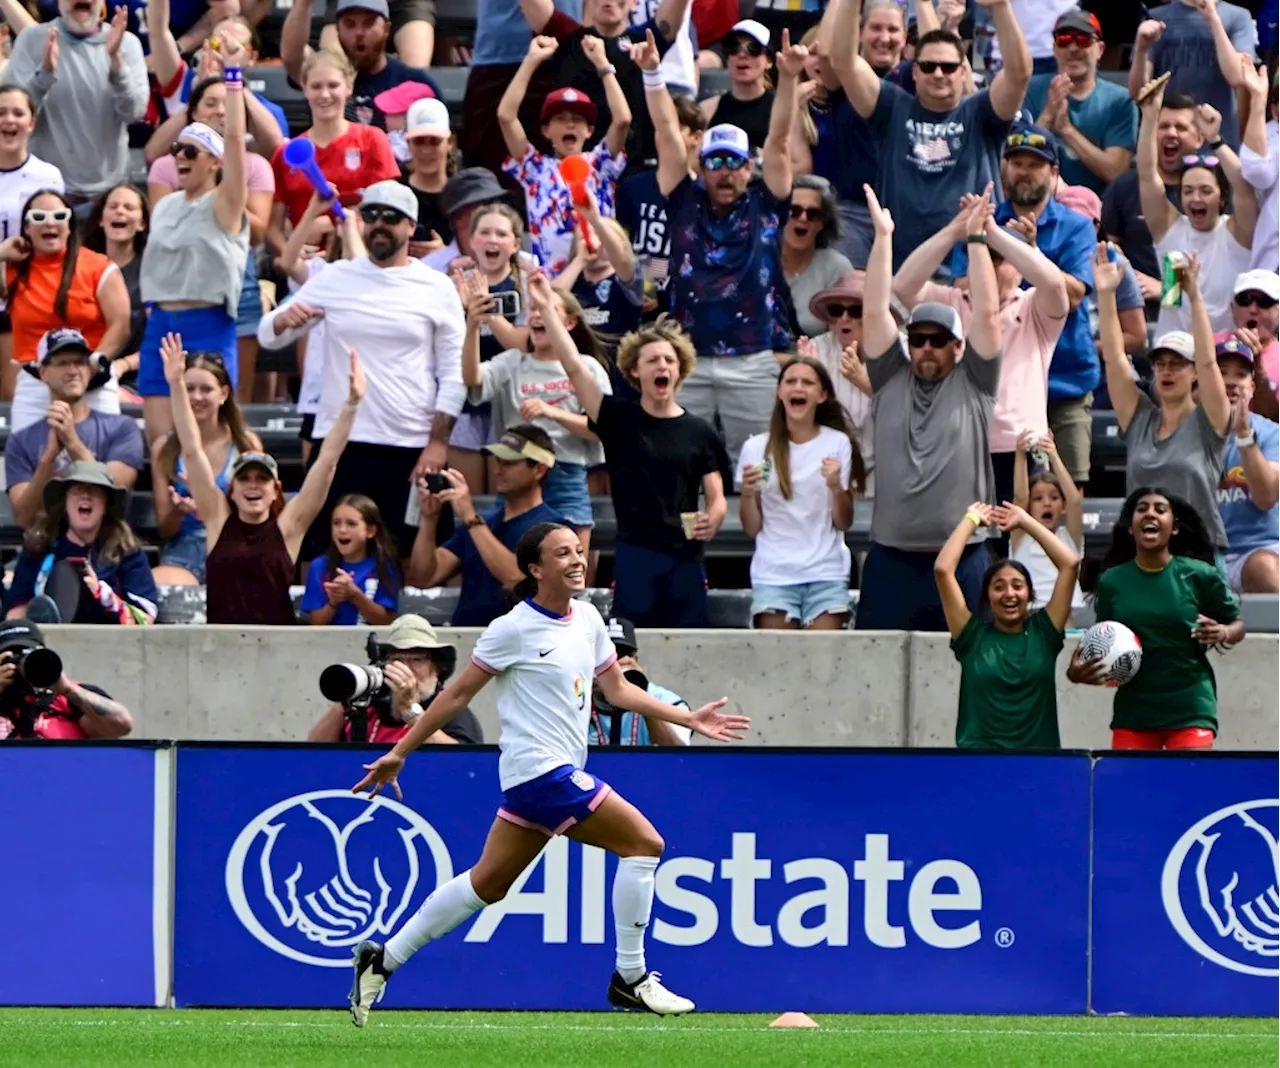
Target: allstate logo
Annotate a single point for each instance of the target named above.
(1221, 887)
(316, 873)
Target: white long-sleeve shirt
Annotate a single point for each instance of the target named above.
(1262, 173)
(407, 325)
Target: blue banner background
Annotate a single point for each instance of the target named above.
(1143, 807)
(1021, 825)
(76, 860)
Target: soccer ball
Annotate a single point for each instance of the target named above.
(1116, 646)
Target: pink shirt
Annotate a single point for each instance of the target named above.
(258, 173)
(1029, 338)
(1270, 359)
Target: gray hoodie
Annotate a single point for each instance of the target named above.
(83, 107)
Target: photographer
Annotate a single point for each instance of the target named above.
(631, 729)
(416, 666)
(37, 700)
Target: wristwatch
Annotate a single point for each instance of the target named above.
(411, 714)
(474, 521)
(608, 68)
(1244, 441)
(976, 239)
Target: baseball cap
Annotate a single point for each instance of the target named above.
(1227, 344)
(1081, 199)
(1267, 282)
(573, 100)
(392, 194)
(622, 632)
(934, 314)
(255, 459)
(20, 634)
(202, 136)
(1034, 139)
(60, 339)
(427, 118)
(524, 443)
(378, 7)
(400, 98)
(1179, 342)
(725, 138)
(1079, 20)
(751, 28)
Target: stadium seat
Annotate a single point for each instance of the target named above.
(272, 81)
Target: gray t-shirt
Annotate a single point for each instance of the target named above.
(929, 159)
(933, 455)
(1188, 462)
(513, 377)
(1186, 48)
(109, 437)
(823, 272)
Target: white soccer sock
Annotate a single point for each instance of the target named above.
(632, 905)
(447, 907)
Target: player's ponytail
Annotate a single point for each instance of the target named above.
(528, 553)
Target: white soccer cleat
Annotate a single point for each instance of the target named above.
(647, 994)
(369, 983)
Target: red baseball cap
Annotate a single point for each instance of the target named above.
(574, 100)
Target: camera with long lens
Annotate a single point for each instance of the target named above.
(637, 678)
(38, 668)
(361, 690)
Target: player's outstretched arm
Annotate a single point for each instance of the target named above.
(708, 720)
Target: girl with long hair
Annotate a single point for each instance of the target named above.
(208, 104)
(749, 100)
(117, 227)
(544, 653)
(433, 159)
(21, 174)
(253, 535)
(1160, 580)
(797, 483)
(50, 280)
(80, 562)
(223, 438)
(194, 266)
(1179, 439)
(495, 233)
(533, 387)
(358, 578)
(1008, 653)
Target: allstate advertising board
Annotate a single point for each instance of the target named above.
(1186, 910)
(826, 881)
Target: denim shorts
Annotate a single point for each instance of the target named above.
(187, 551)
(554, 802)
(472, 431)
(564, 491)
(805, 601)
(202, 330)
(250, 309)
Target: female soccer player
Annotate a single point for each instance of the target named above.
(544, 653)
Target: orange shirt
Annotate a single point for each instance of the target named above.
(31, 308)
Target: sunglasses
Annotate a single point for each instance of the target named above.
(41, 215)
(1197, 160)
(839, 311)
(1253, 297)
(1080, 40)
(387, 216)
(928, 66)
(749, 45)
(928, 341)
(1026, 140)
(184, 149)
(799, 211)
(716, 163)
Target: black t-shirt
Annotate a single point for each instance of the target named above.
(1122, 218)
(656, 468)
(361, 108)
(430, 216)
(464, 728)
(612, 306)
(750, 116)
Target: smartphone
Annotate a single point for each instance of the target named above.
(436, 482)
(77, 562)
(507, 304)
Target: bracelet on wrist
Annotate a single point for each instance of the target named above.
(975, 239)
(351, 406)
(653, 79)
(233, 76)
(1245, 441)
(606, 70)
(973, 518)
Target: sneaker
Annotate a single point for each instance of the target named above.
(647, 994)
(43, 609)
(369, 983)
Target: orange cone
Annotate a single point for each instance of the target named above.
(794, 1019)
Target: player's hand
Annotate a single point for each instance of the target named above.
(719, 726)
(382, 772)
(1208, 632)
(1086, 672)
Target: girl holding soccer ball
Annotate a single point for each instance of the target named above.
(1160, 580)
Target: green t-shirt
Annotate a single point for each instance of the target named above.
(1175, 686)
(1008, 698)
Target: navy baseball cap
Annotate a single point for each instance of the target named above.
(1034, 139)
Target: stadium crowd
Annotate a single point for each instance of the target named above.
(896, 264)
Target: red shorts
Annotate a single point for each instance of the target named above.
(1174, 738)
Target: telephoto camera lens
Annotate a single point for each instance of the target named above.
(350, 682)
(40, 668)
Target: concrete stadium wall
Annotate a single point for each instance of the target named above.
(851, 689)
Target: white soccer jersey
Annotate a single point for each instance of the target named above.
(544, 666)
(17, 185)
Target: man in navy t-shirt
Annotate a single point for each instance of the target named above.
(482, 548)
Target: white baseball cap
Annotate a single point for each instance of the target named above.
(1267, 282)
(427, 118)
(725, 138)
(1179, 342)
(752, 28)
(392, 194)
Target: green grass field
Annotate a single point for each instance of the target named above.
(106, 1038)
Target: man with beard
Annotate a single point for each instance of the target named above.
(1250, 486)
(89, 82)
(932, 414)
(363, 29)
(405, 321)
